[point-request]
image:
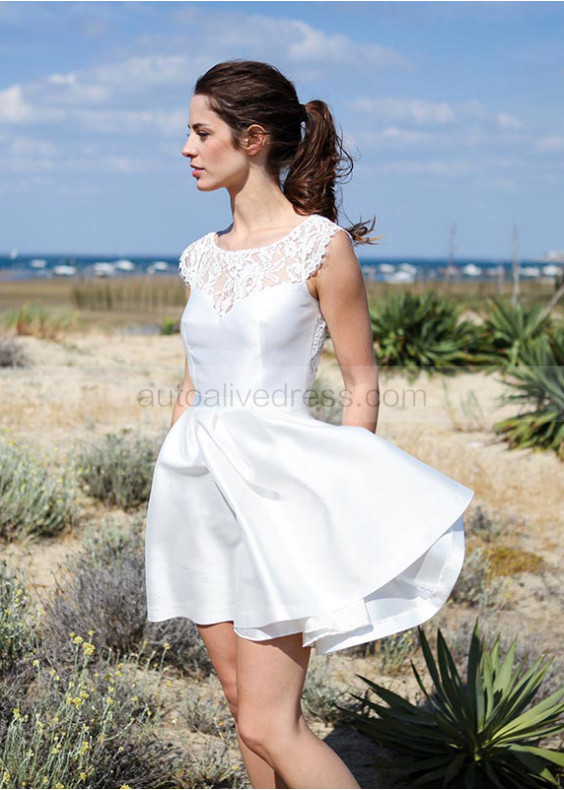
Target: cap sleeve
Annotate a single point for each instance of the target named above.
(186, 265)
(316, 244)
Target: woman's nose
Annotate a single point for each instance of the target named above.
(188, 148)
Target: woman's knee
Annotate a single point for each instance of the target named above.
(263, 731)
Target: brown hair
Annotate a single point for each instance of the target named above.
(243, 92)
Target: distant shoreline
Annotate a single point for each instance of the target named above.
(387, 270)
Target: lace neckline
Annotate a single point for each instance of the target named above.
(264, 246)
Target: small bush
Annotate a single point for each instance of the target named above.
(34, 319)
(118, 470)
(213, 766)
(84, 728)
(320, 693)
(169, 326)
(18, 621)
(477, 585)
(12, 354)
(481, 522)
(34, 500)
(391, 652)
(202, 713)
(103, 590)
(324, 402)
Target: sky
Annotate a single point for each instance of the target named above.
(452, 111)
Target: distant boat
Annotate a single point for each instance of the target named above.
(14, 254)
(38, 263)
(530, 271)
(399, 277)
(125, 265)
(551, 271)
(103, 269)
(158, 266)
(64, 270)
(471, 270)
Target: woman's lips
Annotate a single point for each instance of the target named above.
(196, 171)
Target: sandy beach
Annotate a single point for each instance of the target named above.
(91, 381)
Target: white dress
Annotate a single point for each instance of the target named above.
(260, 513)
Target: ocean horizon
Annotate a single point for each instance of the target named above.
(36, 266)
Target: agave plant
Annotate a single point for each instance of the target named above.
(537, 382)
(419, 330)
(507, 329)
(478, 733)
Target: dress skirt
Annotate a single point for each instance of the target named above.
(286, 524)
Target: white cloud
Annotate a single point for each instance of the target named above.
(13, 106)
(550, 144)
(417, 111)
(393, 137)
(302, 42)
(438, 168)
(139, 72)
(62, 79)
(506, 121)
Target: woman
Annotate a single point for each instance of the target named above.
(255, 530)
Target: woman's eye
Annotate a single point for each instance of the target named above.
(202, 134)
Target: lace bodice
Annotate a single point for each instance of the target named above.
(226, 276)
(269, 336)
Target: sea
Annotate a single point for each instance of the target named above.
(16, 266)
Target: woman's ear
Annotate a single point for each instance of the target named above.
(255, 139)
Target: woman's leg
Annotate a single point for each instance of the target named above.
(219, 639)
(270, 678)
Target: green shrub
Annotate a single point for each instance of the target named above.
(169, 326)
(34, 319)
(538, 384)
(33, 499)
(479, 733)
(118, 469)
(507, 329)
(422, 330)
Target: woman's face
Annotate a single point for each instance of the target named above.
(210, 149)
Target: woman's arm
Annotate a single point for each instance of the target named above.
(186, 392)
(344, 304)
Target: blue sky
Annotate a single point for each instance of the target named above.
(453, 112)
